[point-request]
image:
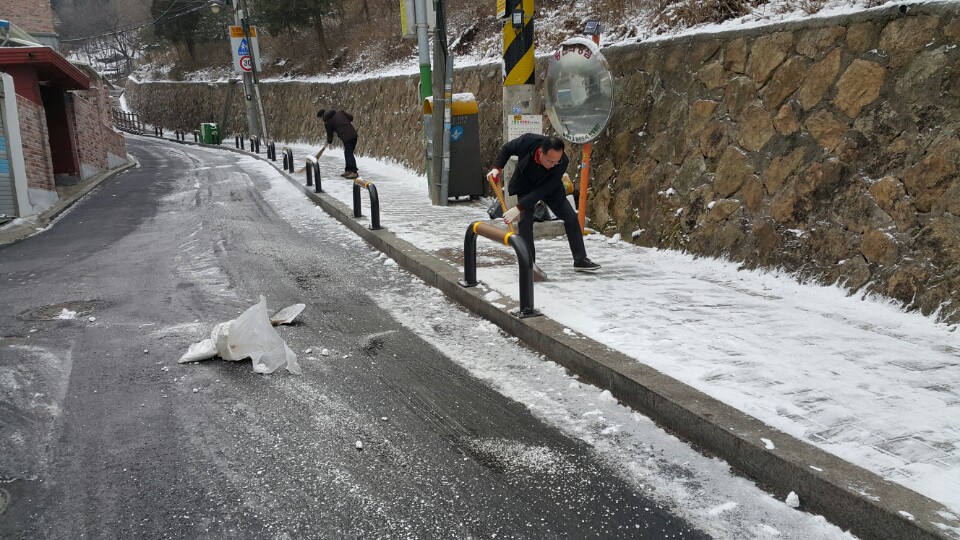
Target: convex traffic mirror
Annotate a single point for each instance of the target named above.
(579, 91)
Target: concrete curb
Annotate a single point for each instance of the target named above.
(20, 232)
(847, 495)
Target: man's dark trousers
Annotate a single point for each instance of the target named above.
(557, 202)
(350, 161)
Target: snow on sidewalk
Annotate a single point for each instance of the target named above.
(856, 377)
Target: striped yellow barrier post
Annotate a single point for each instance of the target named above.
(520, 99)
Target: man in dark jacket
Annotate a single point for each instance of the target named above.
(539, 177)
(339, 122)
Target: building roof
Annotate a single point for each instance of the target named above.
(49, 65)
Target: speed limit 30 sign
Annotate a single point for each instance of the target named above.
(244, 54)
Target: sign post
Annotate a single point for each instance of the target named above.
(246, 61)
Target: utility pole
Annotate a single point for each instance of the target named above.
(256, 121)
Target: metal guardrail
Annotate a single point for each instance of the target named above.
(524, 259)
(127, 121)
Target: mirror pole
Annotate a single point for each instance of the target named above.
(585, 174)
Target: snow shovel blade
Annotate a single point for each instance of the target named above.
(538, 273)
(320, 153)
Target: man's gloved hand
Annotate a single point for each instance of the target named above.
(511, 214)
(494, 175)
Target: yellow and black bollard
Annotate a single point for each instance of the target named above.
(524, 260)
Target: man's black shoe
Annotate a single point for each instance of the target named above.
(585, 265)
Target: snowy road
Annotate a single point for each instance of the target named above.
(465, 433)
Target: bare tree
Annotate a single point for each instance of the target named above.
(106, 31)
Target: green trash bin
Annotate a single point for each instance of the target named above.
(210, 133)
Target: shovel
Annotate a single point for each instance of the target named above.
(320, 153)
(538, 273)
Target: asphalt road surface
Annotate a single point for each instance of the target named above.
(104, 435)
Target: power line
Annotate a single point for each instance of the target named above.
(161, 18)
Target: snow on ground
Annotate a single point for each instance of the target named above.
(857, 377)
(701, 489)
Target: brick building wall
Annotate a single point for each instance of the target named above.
(36, 145)
(95, 136)
(33, 16)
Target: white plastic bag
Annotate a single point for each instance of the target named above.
(203, 350)
(219, 335)
(252, 335)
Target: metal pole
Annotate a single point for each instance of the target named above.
(426, 77)
(227, 101)
(249, 89)
(447, 119)
(442, 96)
(437, 163)
(263, 133)
(585, 175)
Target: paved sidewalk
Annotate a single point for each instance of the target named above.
(834, 380)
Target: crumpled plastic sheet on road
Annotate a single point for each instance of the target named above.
(251, 335)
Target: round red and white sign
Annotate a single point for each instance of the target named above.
(245, 63)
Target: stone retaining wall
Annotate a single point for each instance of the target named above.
(826, 147)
